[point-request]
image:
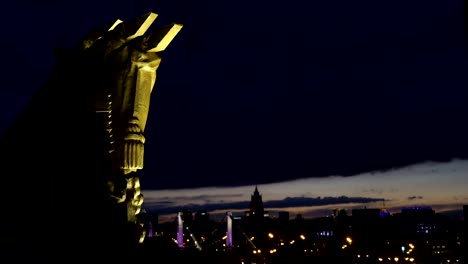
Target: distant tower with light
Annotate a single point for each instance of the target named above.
(256, 205)
(229, 244)
(180, 230)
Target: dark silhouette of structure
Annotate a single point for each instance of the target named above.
(413, 235)
(256, 209)
(70, 159)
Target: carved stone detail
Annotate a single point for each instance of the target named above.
(129, 61)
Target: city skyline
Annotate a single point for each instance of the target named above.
(301, 99)
(441, 186)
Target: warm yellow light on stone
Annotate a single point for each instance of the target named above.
(139, 26)
(124, 106)
(162, 37)
(117, 22)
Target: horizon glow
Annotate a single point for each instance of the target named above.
(440, 185)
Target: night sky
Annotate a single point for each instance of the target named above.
(272, 92)
(260, 92)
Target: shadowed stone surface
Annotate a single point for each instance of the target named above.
(70, 159)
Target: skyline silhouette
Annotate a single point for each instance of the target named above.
(268, 93)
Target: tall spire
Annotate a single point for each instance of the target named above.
(256, 204)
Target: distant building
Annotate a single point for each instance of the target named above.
(283, 216)
(151, 222)
(256, 209)
(366, 214)
(366, 227)
(187, 217)
(465, 213)
(299, 218)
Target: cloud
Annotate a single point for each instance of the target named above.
(460, 198)
(415, 197)
(307, 201)
(444, 189)
(372, 190)
(203, 197)
(284, 203)
(161, 203)
(192, 201)
(195, 207)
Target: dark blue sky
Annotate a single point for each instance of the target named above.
(263, 91)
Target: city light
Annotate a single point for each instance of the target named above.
(396, 250)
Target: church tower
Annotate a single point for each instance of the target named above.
(256, 205)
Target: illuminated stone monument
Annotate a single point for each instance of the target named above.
(71, 158)
(130, 61)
